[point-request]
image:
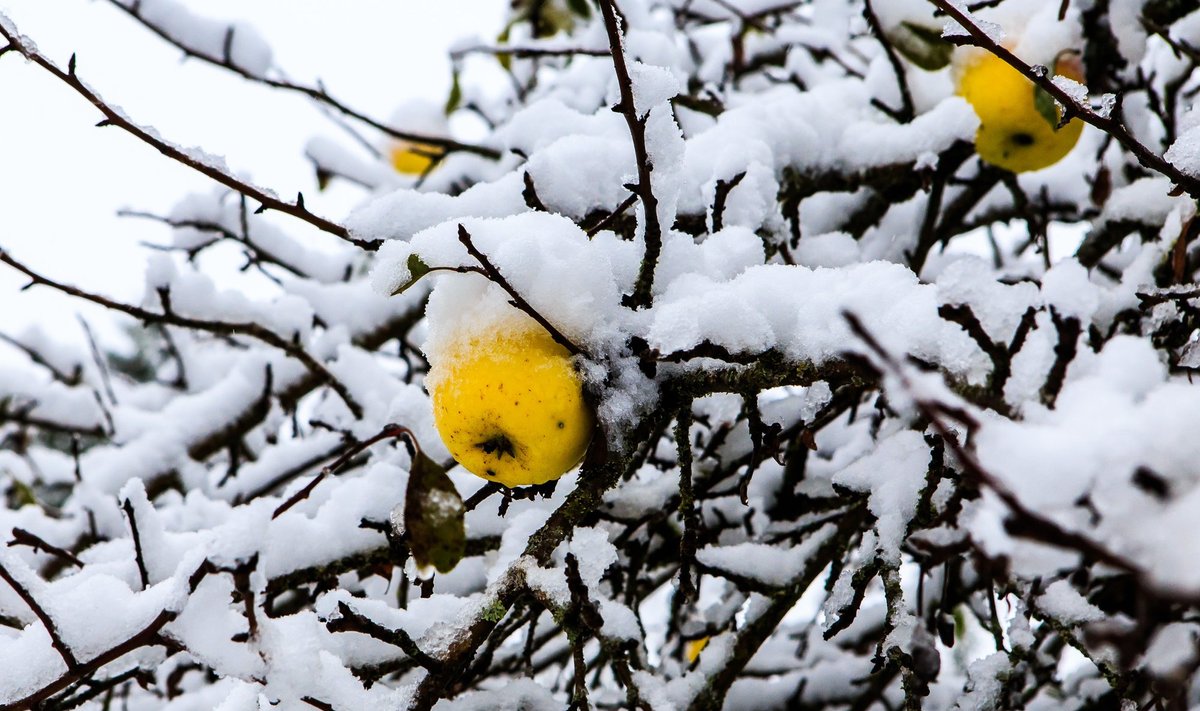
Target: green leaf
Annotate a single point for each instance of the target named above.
(455, 97)
(21, 494)
(921, 45)
(433, 517)
(1046, 107)
(580, 7)
(416, 269)
(505, 58)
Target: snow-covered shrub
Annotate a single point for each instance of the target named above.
(862, 441)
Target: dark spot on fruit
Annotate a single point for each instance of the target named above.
(498, 444)
(1021, 139)
(561, 425)
(490, 472)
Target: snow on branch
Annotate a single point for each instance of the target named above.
(853, 429)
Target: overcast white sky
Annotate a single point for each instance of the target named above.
(62, 180)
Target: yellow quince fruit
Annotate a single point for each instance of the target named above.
(424, 118)
(510, 405)
(413, 158)
(1018, 121)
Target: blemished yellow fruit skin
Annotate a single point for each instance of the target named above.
(413, 158)
(511, 408)
(1012, 134)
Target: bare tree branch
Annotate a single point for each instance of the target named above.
(253, 330)
(317, 93)
(641, 296)
(197, 162)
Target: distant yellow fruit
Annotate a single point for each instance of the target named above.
(413, 158)
(510, 407)
(693, 649)
(1013, 133)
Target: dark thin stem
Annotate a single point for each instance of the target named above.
(350, 620)
(71, 700)
(115, 117)
(288, 474)
(251, 329)
(218, 229)
(389, 432)
(906, 112)
(71, 379)
(612, 216)
(243, 587)
(517, 300)
(148, 636)
(127, 507)
(318, 93)
(641, 296)
(1025, 521)
(55, 639)
(687, 502)
(485, 492)
(21, 416)
(21, 537)
(101, 365)
(530, 51)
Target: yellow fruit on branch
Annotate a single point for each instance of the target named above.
(1018, 121)
(510, 406)
(414, 158)
(693, 649)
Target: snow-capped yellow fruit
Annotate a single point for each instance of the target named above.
(693, 649)
(510, 407)
(413, 158)
(1015, 133)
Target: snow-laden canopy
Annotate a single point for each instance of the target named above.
(878, 423)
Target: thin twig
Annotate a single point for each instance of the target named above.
(21, 537)
(55, 639)
(391, 431)
(147, 636)
(203, 165)
(687, 502)
(251, 329)
(517, 300)
(318, 93)
(127, 507)
(484, 493)
(612, 216)
(528, 51)
(641, 296)
(71, 379)
(1026, 521)
(350, 620)
(906, 112)
(216, 228)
